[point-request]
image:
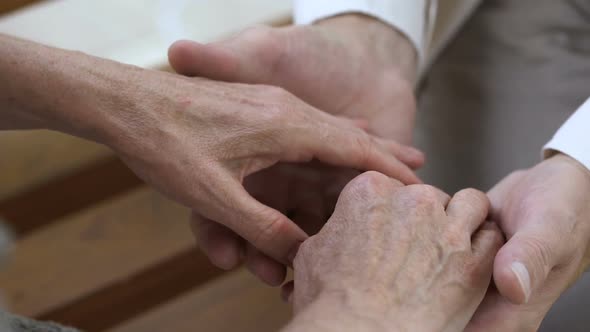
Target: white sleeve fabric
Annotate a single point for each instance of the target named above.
(413, 18)
(573, 138)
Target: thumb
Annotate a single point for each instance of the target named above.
(522, 265)
(190, 58)
(265, 228)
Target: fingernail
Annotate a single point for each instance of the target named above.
(524, 278)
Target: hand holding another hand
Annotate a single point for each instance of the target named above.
(196, 140)
(350, 65)
(396, 258)
(545, 213)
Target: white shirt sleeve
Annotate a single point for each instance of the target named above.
(573, 138)
(413, 18)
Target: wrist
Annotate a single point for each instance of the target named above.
(343, 310)
(131, 113)
(105, 101)
(579, 173)
(382, 43)
(574, 165)
(50, 88)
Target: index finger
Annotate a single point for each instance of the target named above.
(337, 144)
(470, 208)
(262, 226)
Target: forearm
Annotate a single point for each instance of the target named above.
(44, 87)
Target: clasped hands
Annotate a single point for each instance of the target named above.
(411, 245)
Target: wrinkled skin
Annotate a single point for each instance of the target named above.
(349, 66)
(195, 140)
(208, 136)
(410, 257)
(545, 213)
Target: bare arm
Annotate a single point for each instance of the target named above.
(49, 88)
(349, 65)
(193, 139)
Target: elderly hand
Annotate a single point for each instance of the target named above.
(392, 256)
(545, 214)
(196, 140)
(352, 66)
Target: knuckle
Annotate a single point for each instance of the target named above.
(366, 196)
(366, 146)
(368, 183)
(479, 203)
(471, 202)
(429, 192)
(475, 194)
(423, 196)
(538, 251)
(269, 230)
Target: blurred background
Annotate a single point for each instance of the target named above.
(93, 246)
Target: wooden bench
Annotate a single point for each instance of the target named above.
(96, 248)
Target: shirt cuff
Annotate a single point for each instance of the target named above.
(412, 18)
(573, 138)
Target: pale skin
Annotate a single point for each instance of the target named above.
(545, 213)
(194, 140)
(354, 55)
(395, 258)
(376, 84)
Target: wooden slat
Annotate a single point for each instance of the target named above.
(146, 290)
(74, 258)
(67, 194)
(236, 302)
(10, 5)
(32, 158)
